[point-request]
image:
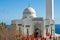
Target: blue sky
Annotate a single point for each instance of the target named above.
(13, 9)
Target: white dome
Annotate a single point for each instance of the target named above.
(29, 12)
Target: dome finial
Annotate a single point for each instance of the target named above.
(29, 4)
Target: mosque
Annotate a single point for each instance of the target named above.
(31, 24)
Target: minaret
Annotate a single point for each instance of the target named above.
(50, 17)
(50, 9)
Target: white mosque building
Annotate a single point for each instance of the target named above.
(31, 24)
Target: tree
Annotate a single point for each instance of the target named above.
(2, 24)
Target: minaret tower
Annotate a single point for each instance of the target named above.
(50, 9)
(50, 28)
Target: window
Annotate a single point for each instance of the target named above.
(19, 24)
(25, 17)
(27, 25)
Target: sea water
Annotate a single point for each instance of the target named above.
(57, 28)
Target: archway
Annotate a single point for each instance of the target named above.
(36, 32)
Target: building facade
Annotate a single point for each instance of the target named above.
(29, 23)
